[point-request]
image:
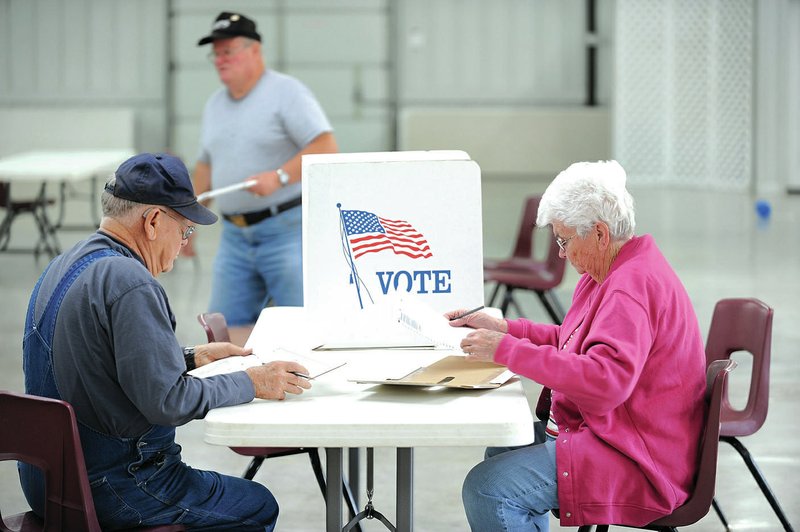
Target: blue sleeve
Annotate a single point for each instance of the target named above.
(150, 365)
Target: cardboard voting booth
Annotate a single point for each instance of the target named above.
(379, 228)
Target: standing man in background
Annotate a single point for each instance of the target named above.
(256, 128)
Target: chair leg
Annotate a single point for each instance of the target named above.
(494, 295)
(718, 510)
(350, 501)
(556, 303)
(316, 466)
(507, 299)
(252, 469)
(550, 306)
(760, 479)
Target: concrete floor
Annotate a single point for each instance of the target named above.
(713, 239)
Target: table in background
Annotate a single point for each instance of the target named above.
(64, 167)
(337, 414)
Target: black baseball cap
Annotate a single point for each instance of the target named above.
(229, 25)
(159, 179)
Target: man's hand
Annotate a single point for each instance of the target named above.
(266, 183)
(477, 320)
(481, 345)
(208, 353)
(275, 379)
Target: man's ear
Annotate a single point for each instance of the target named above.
(149, 223)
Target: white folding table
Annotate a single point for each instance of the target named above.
(55, 166)
(337, 414)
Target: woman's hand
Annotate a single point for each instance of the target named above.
(208, 353)
(480, 345)
(476, 320)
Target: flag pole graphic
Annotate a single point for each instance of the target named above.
(353, 271)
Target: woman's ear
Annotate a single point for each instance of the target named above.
(603, 234)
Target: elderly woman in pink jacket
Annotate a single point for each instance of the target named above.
(626, 370)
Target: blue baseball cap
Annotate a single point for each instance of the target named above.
(160, 179)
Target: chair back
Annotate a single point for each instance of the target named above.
(215, 326)
(699, 502)
(522, 268)
(523, 248)
(743, 325)
(43, 432)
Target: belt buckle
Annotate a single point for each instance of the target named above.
(238, 220)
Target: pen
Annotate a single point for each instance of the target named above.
(301, 375)
(467, 313)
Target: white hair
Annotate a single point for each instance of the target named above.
(587, 193)
(113, 206)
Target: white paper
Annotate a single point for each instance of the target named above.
(225, 190)
(316, 366)
(430, 325)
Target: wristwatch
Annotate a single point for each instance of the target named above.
(283, 177)
(188, 356)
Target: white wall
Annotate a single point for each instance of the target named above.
(777, 96)
(367, 61)
(85, 54)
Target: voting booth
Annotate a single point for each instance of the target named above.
(383, 228)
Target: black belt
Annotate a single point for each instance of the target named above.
(250, 218)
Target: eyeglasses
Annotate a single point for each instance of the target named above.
(185, 233)
(226, 54)
(562, 242)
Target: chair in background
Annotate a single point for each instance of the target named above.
(43, 432)
(699, 502)
(522, 271)
(216, 329)
(745, 325)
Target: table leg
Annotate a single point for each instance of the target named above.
(354, 473)
(48, 241)
(405, 489)
(334, 458)
(93, 203)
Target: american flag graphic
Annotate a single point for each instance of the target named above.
(369, 233)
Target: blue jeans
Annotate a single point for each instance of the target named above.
(257, 263)
(156, 487)
(513, 489)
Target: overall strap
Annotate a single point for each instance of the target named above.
(51, 309)
(37, 351)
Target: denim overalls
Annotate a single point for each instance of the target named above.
(135, 481)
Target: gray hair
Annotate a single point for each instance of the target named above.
(113, 206)
(587, 193)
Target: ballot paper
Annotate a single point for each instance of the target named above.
(316, 366)
(403, 323)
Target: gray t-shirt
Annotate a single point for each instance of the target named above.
(260, 132)
(115, 355)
